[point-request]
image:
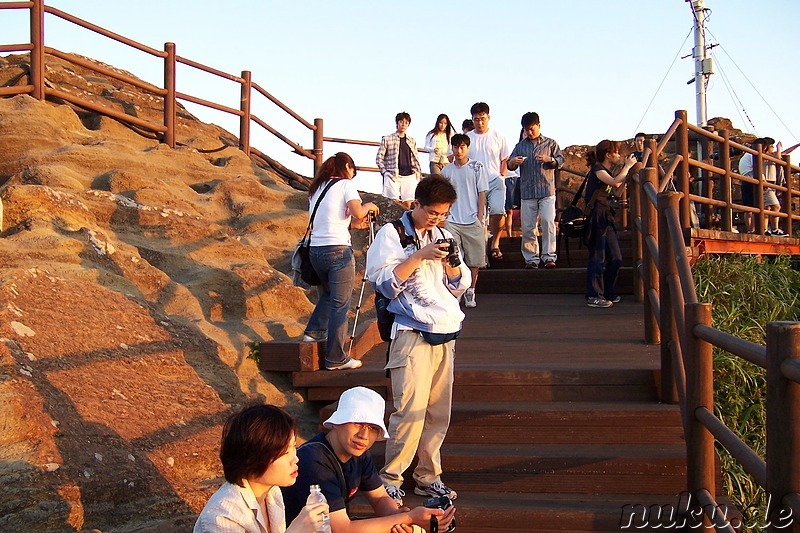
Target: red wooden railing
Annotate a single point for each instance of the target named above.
(682, 325)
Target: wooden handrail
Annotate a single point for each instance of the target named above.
(750, 461)
(749, 351)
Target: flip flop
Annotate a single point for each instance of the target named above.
(496, 253)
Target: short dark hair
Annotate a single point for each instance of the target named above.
(459, 139)
(402, 115)
(468, 124)
(252, 439)
(479, 107)
(530, 118)
(640, 134)
(434, 189)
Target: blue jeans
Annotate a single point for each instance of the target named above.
(605, 259)
(336, 267)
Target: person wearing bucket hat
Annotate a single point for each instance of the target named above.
(340, 463)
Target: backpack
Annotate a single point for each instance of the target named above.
(385, 318)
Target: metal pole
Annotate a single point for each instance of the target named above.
(700, 63)
(371, 218)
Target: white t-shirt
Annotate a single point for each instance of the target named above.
(332, 221)
(489, 148)
(468, 181)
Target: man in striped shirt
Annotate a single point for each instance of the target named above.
(537, 158)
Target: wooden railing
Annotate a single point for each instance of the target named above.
(168, 93)
(682, 325)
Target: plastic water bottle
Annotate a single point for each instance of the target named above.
(315, 496)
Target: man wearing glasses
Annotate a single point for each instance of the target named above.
(425, 282)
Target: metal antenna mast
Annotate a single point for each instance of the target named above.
(703, 65)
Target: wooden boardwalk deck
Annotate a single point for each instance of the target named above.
(556, 424)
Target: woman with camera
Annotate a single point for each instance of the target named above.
(603, 188)
(258, 456)
(331, 255)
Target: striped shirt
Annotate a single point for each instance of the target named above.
(536, 179)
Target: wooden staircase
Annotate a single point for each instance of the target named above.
(556, 425)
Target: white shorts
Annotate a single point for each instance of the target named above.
(770, 198)
(497, 196)
(401, 188)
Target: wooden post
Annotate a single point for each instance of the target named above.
(318, 140)
(683, 170)
(667, 267)
(37, 52)
(699, 365)
(170, 99)
(649, 269)
(707, 146)
(725, 158)
(758, 173)
(783, 422)
(244, 106)
(787, 195)
(636, 212)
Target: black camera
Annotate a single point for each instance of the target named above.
(439, 502)
(452, 252)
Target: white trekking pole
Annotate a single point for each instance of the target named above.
(371, 218)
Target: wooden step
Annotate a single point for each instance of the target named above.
(574, 423)
(576, 469)
(481, 512)
(562, 280)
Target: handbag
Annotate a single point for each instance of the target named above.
(573, 219)
(303, 273)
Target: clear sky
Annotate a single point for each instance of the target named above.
(590, 68)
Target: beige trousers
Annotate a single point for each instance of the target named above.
(422, 387)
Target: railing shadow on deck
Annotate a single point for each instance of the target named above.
(682, 325)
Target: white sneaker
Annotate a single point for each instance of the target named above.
(469, 298)
(350, 364)
(395, 493)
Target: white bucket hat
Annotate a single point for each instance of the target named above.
(359, 405)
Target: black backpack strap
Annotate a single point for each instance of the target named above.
(405, 239)
(579, 192)
(337, 467)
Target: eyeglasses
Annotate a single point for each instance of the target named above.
(369, 428)
(480, 118)
(433, 215)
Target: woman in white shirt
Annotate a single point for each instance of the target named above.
(331, 255)
(437, 144)
(259, 455)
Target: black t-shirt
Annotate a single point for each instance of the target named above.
(593, 182)
(404, 158)
(316, 468)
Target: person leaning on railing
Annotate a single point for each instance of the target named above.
(602, 188)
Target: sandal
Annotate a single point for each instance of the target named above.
(497, 254)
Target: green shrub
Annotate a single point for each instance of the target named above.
(745, 294)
